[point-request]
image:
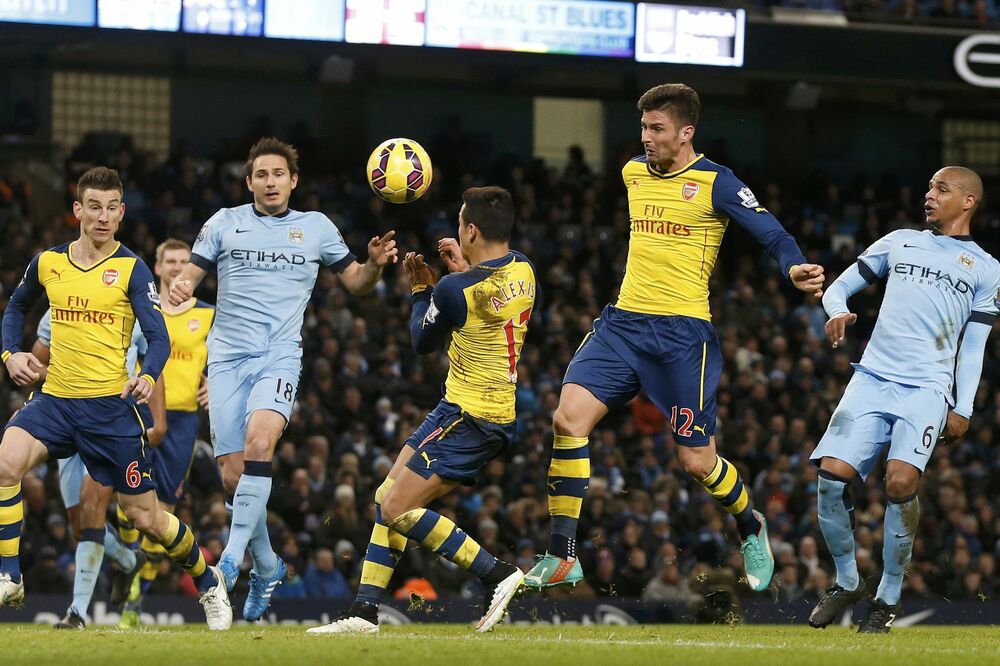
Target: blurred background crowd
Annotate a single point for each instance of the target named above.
(941, 13)
(647, 530)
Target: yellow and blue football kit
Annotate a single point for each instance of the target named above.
(483, 315)
(484, 312)
(78, 408)
(188, 329)
(659, 336)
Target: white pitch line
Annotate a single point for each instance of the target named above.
(710, 645)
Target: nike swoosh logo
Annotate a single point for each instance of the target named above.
(908, 245)
(900, 536)
(243, 231)
(920, 453)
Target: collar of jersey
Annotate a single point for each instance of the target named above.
(672, 174)
(69, 256)
(278, 216)
(499, 261)
(966, 237)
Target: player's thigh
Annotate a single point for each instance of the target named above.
(111, 438)
(273, 393)
(681, 375)
(411, 491)
(859, 428)
(922, 414)
(143, 510)
(172, 458)
(43, 419)
(19, 452)
(454, 445)
(604, 365)
(229, 385)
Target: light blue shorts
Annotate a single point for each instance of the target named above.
(875, 413)
(239, 387)
(71, 473)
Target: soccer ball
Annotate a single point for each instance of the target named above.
(399, 170)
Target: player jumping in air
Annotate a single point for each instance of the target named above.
(96, 288)
(482, 313)
(659, 337)
(267, 256)
(941, 297)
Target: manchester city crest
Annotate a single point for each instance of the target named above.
(296, 236)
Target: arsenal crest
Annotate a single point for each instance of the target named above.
(690, 190)
(193, 325)
(110, 277)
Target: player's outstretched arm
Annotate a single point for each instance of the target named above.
(361, 278)
(183, 287)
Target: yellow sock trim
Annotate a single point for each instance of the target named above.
(567, 442)
(11, 515)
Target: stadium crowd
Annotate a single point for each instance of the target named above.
(647, 530)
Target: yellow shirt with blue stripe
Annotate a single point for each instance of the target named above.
(188, 328)
(677, 221)
(93, 311)
(485, 312)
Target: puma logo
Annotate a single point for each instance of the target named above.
(699, 429)
(147, 475)
(58, 274)
(427, 459)
(552, 485)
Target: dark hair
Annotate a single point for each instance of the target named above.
(98, 178)
(270, 145)
(677, 99)
(491, 209)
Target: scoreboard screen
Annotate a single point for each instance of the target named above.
(305, 19)
(539, 26)
(53, 12)
(233, 17)
(139, 14)
(385, 22)
(689, 35)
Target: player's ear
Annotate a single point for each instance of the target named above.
(295, 180)
(687, 133)
(78, 210)
(249, 184)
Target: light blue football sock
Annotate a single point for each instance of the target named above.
(901, 519)
(836, 521)
(249, 511)
(265, 561)
(89, 555)
(116, 550)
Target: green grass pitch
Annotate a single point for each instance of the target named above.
(444, 645)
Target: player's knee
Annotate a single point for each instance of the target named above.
(697, 461)
(144, 520)
(10, 475)
(901, 483)
(566, 421)
(394, 507)
(231, 478)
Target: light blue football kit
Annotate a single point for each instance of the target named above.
(267, 267)
(925, 356)
(939, 290)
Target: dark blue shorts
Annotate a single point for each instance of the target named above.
(172, 458)
(108, 433)
(456, 445)
(675, 360)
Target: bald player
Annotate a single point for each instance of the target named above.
(914, 385)
(659, 337)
